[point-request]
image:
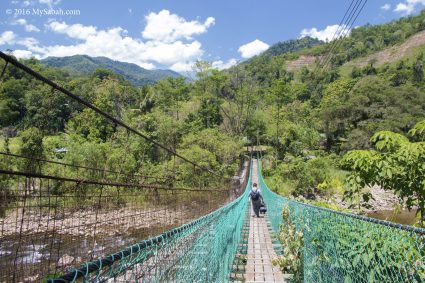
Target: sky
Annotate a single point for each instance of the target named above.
(173, 34)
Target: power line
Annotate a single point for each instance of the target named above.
(344, 27)
(347, 27)
(341, 28)
(114, 120)
(336, 34)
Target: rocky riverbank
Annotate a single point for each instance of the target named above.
(381, 200)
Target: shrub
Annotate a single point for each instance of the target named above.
(292, 242)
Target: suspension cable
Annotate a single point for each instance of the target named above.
(80, 166)
(103, 183)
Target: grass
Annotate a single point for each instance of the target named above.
(332, 184)
(278, 185)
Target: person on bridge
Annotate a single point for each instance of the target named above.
(256, 200)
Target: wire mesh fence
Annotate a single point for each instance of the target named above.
(200, 251)
(49, 224)
(340, 247)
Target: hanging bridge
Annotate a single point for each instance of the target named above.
(84, 224)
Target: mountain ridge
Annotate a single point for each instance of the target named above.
(82, 65)
(291, 45)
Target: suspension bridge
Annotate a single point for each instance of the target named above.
(117, 227)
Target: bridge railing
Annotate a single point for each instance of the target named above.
(65, 206)
(341, 247)
(47, 226)
(200, 251)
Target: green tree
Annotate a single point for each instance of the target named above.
(211, 149)
(90, 125)
(46, 109)
(12, 107)
(400, 75)
(334, 110)
(240, 103)
(169, 94)
(397, 164)
(209, 113)
(32, 146)
(417, 70)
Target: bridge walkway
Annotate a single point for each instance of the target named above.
(259, 267)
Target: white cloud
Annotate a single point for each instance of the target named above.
(171, 53)
(404, 8)
(252, 48)
(147, 66)
(386, 7)
(7, 37)
(219, 64)
(22, 53)
(326, 34)
(114, 43)
(167, 27)
(182, 66)
(28, 27)
(188, 66)
(28, 42)
(50, 3)
(10, 38)
(408, 7)
(77, 31)
(168, 42)
(27, 3)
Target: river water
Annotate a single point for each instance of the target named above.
(405, 217)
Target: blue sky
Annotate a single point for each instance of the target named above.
(174, 34)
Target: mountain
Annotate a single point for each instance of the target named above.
(85, 65)
(292, 45)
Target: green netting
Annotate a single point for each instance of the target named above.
(200, 251)
(341, 247)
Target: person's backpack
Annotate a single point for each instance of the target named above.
(255, 195)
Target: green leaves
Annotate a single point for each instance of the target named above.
(292, 240)
(32, 146)
(11, 102)
(398, 165)
(418, 130)
(388, 141)
(361, 160)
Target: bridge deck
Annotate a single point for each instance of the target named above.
(259, 267)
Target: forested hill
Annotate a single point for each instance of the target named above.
(374, 81)
(84, 65)
(292, 45)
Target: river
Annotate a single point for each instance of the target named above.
(405, 216)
